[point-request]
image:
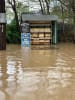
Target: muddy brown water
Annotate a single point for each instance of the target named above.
(37, 74)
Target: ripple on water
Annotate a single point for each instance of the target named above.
(37, 74)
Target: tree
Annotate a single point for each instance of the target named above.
(13, 5)
(12, 36)
(45, 6)
(70, 5)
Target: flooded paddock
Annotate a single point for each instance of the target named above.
(37, 74)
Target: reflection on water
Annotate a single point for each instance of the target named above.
(29, 74)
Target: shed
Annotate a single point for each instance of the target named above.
(42, 28)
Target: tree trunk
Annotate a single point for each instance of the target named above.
(41, 6)
(13, 5)
(16, 16)
(74, 27)
(62, 17)
(47, 6)
(17, 21)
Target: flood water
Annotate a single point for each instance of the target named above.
(37, 74)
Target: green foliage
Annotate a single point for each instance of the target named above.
(12, 35)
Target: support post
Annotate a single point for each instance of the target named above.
(54, 32)
(2, 25)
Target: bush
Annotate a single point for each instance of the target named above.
(12, 36)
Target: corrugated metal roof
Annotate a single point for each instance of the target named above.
(38, 17)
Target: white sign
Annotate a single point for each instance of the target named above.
(25, 39)
(2, 18)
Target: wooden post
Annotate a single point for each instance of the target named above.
(2, 25)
